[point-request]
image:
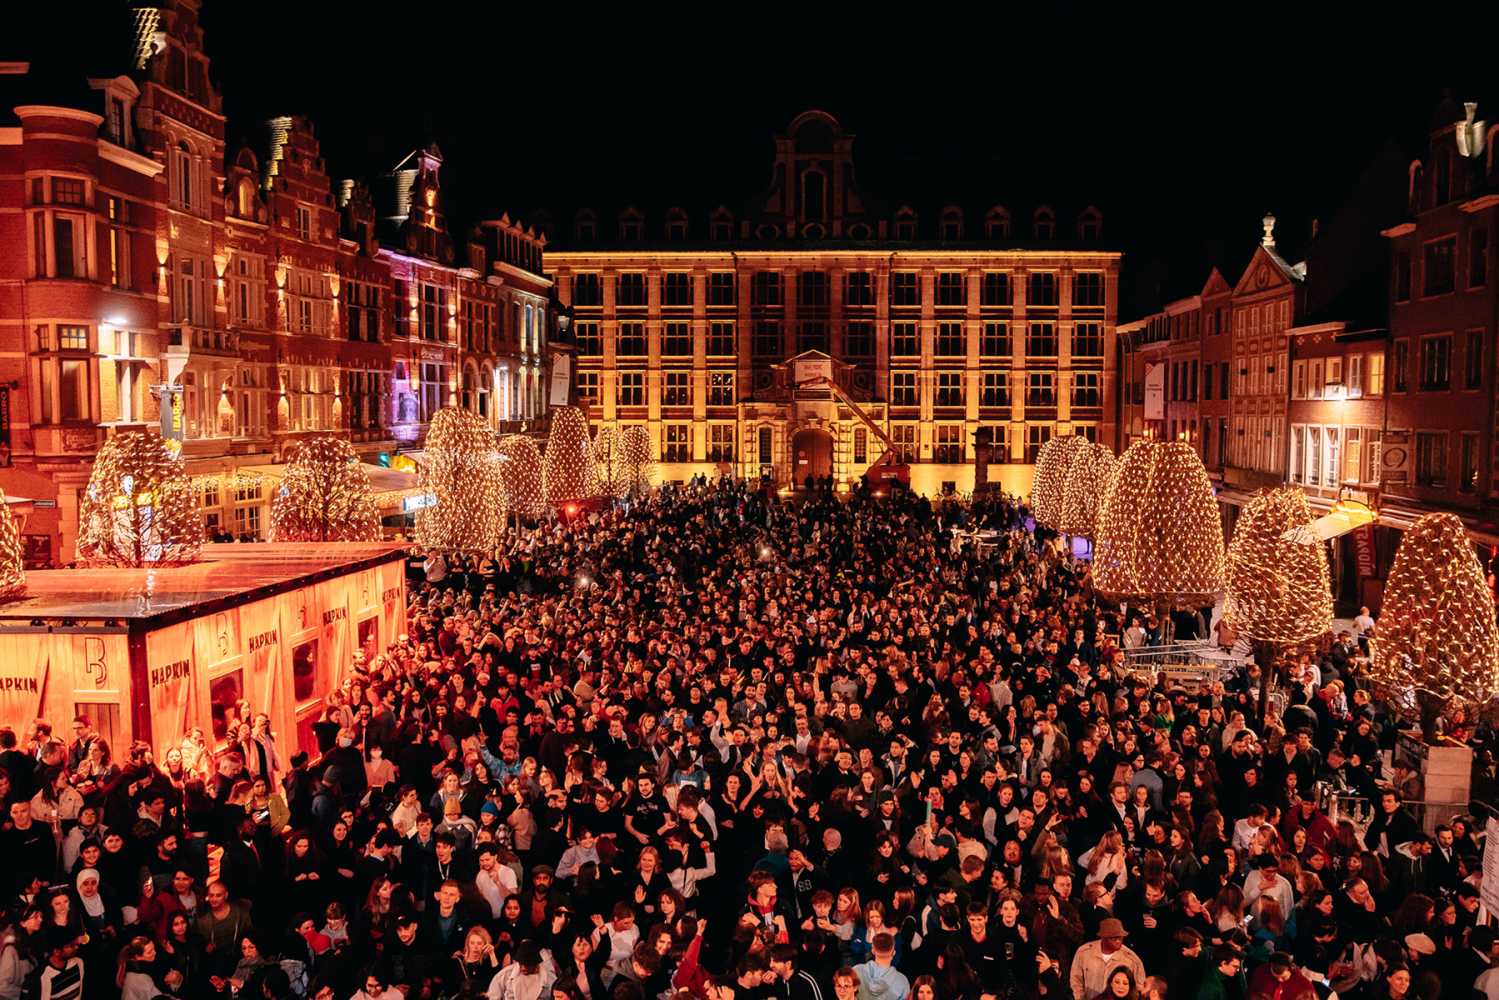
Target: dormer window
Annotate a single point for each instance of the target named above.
(631, 226)
(676, 225)
(1044, 224)
(905, 224)
(997, 224)
(586, 227)
(244, 196)
(952, 224)
(1089, 225)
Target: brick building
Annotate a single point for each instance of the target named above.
(935, 324)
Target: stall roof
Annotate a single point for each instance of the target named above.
(228, 574)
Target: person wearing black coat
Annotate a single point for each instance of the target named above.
(1391, 827)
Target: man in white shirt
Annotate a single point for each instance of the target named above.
(494, 880)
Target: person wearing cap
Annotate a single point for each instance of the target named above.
(1095, 960)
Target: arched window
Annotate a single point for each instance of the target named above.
(586, 226)
(952, 224)
(184, 158)
(676, 225)
(1044, 223)
(631, 224)
(245, 198)
(905, 223)
(997, 223)
(1089, 225)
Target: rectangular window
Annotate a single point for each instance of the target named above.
(1223, 380)
(949, 388)
(1042, 289)
(812, 335)
(1207, 384)
(1087, 340)
(1400, 366)
(995, 289)
(1087, 288)
(1314, 456)
(247, 521)
(1437, 266)
(1036, 435)
(767, 338)
(1041, 389)
(74, 391)
(1473, 360)
(69, 248)
(996, 389)
(676, 339)
(1298, 381)
(765, 445)
(996, 340)
(72, 338)
(631, 289)
(950, 340)
(949, 444)
(67, 191)
(676, 390)
(631, 391)
(1298, 438)
(905, 340)
(590, 341)
(1436, 363)
(1085, 389)
(1468, 480)
(677, 446)
(906, 448)
(631, 342)
(588, 388)
(587, 289)
(1431, 459)
(304, 223)
(905, 288)
(1334, 468)
(721, 288)
(720, 388)
(720, 442)
(1403, 276)
(858, 288)
(765, 288)
(861, 445)
(1041, 340)
(676, 289)
(858, 340)
(812, 289)
(951, 290)
(903, 389)
(1478, 258)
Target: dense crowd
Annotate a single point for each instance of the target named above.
(716, 746)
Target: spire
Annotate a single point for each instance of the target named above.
(1268, 240)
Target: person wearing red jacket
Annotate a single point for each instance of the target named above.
(1279, 979)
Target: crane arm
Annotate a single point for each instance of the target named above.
(822, 381)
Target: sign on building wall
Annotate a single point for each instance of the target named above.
(810, 368)
(562, 377)
(1155, 391)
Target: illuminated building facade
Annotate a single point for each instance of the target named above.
(932, 323)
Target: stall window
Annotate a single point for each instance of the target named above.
(224, 694)
(369, 638)
(304, 670)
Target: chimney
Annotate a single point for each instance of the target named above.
(1314, 228)
(1268, 240)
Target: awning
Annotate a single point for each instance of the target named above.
(391, 486)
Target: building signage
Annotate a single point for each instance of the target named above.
(418, 502)
(1363, 550)
(810, 368)
(1155, 391)
(562, 376)
(171, 412)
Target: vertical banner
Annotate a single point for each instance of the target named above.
(334, 597)
(392, 602)
(1155, 391)
(1363, 550)
(1488, 886)
(562, 377)
(23, 678)
(169, 677)
(267, 680)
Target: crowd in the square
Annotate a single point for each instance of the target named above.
(714, 745)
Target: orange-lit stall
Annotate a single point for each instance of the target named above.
(148, 654)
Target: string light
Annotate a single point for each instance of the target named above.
(325, 496)
(1277, 590)
(12, 563)
(1436, 646)
(640, 459)
(1088, 480)
(567, 471)
(520, 477)
(1158, 535)
(1046, 483)
(461, 473)
(610, 470)
(139, 508)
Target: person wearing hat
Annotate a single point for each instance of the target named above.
(529, 977)
(1095, 960)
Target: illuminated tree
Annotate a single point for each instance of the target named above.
(139, 508)
(1158, 535)
(1277, 590)
(325, 497)
(462, 474)
(1046, 483)
(611, 471)
(520, 477)
(1088, 480)
(640, 459)
(1436, 645)
(12, 563)
(567, 466)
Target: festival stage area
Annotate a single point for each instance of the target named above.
(149, 654)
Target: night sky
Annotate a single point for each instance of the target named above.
(1182, 142)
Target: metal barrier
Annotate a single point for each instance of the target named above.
(1340, 804)
(1188, 665)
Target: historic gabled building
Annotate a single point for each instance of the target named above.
(716, 333)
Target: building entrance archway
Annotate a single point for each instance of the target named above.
(811, 455)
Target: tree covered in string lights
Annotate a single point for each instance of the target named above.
(640, 459)
(1046, 483)
(520, 477)
(1088, 479)
(461, 472)
(12, 560)
(1436, 646)
(611, 469)
(139, 508)
(325, 496)
(1277, 589)
(1158, 536)
(568, 471)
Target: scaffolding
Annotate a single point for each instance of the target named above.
(1191, 666)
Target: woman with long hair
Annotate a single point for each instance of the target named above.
(134, 976)
(475, 963)
(1227, 909)
(1106, 862)
(18, 952)
(1121, 985)
(180, 950)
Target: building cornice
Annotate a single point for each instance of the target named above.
(52, 111)
(128, 159)
(1395, 232)
(1480, 203)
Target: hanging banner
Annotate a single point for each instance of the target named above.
(169, 677)
(392, 603)
(1488, 888)
(562, 377)
(1155, 391)
(264, 666)
(334, 647)
(23, 679)
(1363, 550)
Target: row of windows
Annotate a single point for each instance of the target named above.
(1439, 265)
(1435, 360)
(1352, 377)
(950, 228)
(676, 389)
(994, 389)
(1331, 456)
(814, 289)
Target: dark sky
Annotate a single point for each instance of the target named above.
(1183, 131)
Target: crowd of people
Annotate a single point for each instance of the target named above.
(712, 745)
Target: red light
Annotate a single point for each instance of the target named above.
(572, 509)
